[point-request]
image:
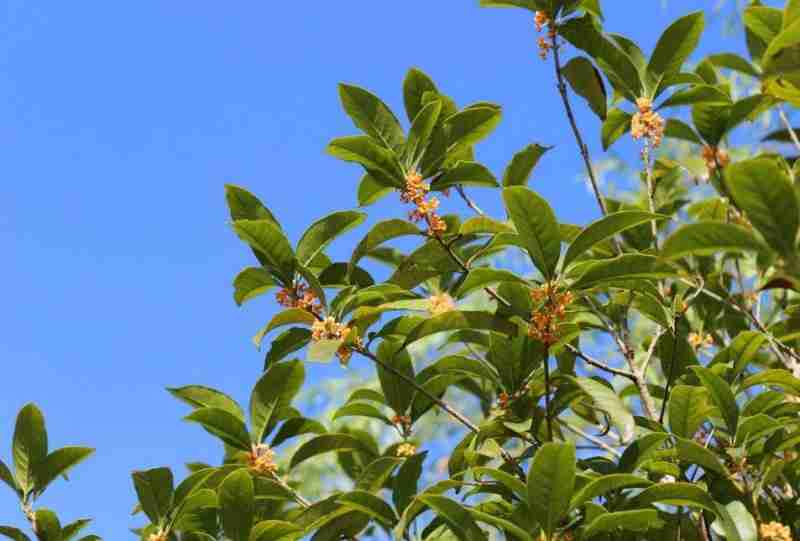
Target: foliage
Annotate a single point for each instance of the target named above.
(641, 382)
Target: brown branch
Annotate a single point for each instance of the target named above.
(597, 441)
(601, 365)
(792, 133)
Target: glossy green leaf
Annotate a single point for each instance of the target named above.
(466, 174)
(155, 489)
(250, 283)
(765, 194)
(324, 231)
(687, 410)
(415, 85)
(586, 81)
(245, 206)
(58, 463)
(378, 161)
(482, 277)
(455, 320)
(199, 396)
(606, 399)
(419, 136)
(237, 505)
(371, 115)
(275, 530)
(369, 504)
(537, 227)
(371, 190)
(326, 443)
(268, 241)
(222, 424)
(8, 478)
(48, 527)
(551, 479)
(605, 484)
(396, 390)
(735, 522)
(471, 125)
(635, 521)
(29, 445)
(281, 319)
(709, 238)
(274, 392)
(721, 395)
(605, 228)
(675, 45)
(686, 494)
(14, 534)
(623, 268)
(456, 516)
(677, 129)
(522, 165)
(616, 124)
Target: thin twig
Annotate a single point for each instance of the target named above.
(547, 417)
(438, 401)
(671, 375)
(468, 200)
(597, 441)
(792, 133)
(599, 364)
(562, 89)
(284, 485)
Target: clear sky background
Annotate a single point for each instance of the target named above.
(119, 124)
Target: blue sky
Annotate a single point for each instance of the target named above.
(121, 121)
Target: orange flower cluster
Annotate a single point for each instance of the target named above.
(261, 460)
(329, 329)
(158, 536)
(647, 123)
(406, 450)
(714, 156)
(700, 340)
(550, 312)
(416, 192)
(775, 531)
(441, 303)
(542, 21)
(300, 296)
(402, 420)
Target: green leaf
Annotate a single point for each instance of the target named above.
(154, 488)
(512, 483)
(537, 227)
(324, 231)
(735, 522)
(466, 174)
(484, 224)
(245, 206)
(637, 521)
(734, 62)
(379, 162)
(455, 515)
(397, 391)
(623, 268)
(287, 317)
(13, 533)
(380, 233)
(359, 409)
(250, 283)
(522, 165)
(687, 410)
(605, 228)
(764, 192)
(404, 484)
(641, 450)
(722, 396)
(551, 479)
(470, 126)
(326, 443)
(270, 242)
(415, 85)
(58, 463)
(273, 530)
(607, 400)
(696, 94)
(525, 4)
(690, 452)
(686, 494)
(369, 504)
(677, 129)
(586, 81)
(371, 115)
(605, 484)
(297, 426)
(272, 394)
(8, 478)
(616, 124)
(29, 445)
(285, 344)
(237, 505)
(373, 478)
(222, 424)
(198, 396)
(675, 45)
(419, 136)
(371, 190)
(775, 377)
(484, 276)
(322, 351)
(48, 528)
(506, 526)
(455, 320)
(710, 238)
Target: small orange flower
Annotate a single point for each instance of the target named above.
(546, 318)
(300, 296)
(415, 192)
(159, 536)
(329, 329)
(441, 303)
(700, 340)
(541, 19)
(646, 123)
(406, 450)
(401, 420)
(713, 156)
(261, 460)
(775, 531)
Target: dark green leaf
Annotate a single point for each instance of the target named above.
(551, 479)
(397, 391)
(455, 320)
(250, 283)
(58, 463)
(154, 489)
(269, 241)
(456, 516)
(635, 521)
(273, 393)
(379, 162)
(48, 528)
(415, 85)
(325, 443)
(324, 231)
(623, 268)
(675, 45)
(371, 115)
(467, 174)
(237, 505)
(245, 206)
(373, 506)
(522, 164)
(616, 124)
(224, 425)
(482, 277)
(709, 238)
(29, 445)
(13, 533)
(586, 81)
(419, 136)
(198, 396)
(537, 227)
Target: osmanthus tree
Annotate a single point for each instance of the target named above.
(642, 382)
